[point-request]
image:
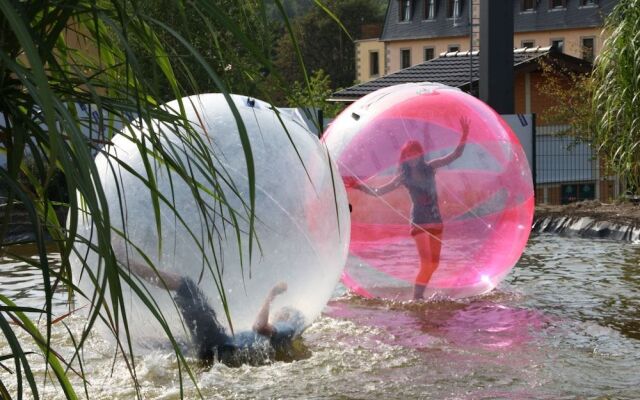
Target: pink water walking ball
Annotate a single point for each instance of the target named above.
(440, 191)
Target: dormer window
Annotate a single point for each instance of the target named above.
(557, 4)
(528, 5)
(429, 9)
(588, 3)
(405, 10)
(454, 8)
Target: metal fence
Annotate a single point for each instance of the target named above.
(567, 169)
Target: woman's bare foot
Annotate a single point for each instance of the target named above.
(418, 292)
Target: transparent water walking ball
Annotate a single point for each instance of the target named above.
(440, 189)
(301, 225)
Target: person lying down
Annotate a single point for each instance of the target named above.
(275, 339)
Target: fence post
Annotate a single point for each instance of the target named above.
(534, 162)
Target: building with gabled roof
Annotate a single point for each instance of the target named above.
(418, 30)
(460, 69)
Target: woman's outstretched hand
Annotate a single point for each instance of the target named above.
(350, 181)
(353, 182)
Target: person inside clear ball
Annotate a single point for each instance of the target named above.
(275, 340)
(418, 176)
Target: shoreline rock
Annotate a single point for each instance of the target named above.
(19, 229)
(590, 219)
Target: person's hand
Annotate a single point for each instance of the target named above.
(351, 182)
(278, 288)
(464, 125)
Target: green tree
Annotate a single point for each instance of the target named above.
(292, 8)
(565, 92)
(323, 44)
(616, 97)
(206, 29)
(314, 95)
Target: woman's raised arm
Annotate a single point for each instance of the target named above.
(449, 158)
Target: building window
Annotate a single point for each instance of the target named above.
(558, 44)
(453, 47)
(374, 63)
(429, 53)
(528, 43)
(587, 49)
(454, 8)
(528, 5)
(588, 3)
(557, 4)
(405, 58)
(430, 9)
(405, 10)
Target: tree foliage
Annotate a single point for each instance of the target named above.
(314, 95)
(568, 93)
(616, 95)
(292, 8)
(323, 44)
(219, 45)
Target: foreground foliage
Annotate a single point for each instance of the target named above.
(57, 56)
(616, 97)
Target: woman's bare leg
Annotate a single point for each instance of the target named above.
(156, 277)
(429, 245)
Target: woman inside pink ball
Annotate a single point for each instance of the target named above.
(418, 176)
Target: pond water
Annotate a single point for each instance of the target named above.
(564, 324)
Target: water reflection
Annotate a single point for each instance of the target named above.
(23, 283)
(584, 279)
(479, 323)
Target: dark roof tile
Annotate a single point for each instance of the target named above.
(450, 69)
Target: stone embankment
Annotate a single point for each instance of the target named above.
(619, 221)
(16, 227)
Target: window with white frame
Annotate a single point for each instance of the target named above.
(405, 10)
(454, 8)
(557, 4)
(429, 9)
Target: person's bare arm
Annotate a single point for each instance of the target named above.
(392, 185)
(442, 161)
(261, 324)
(156, 277)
